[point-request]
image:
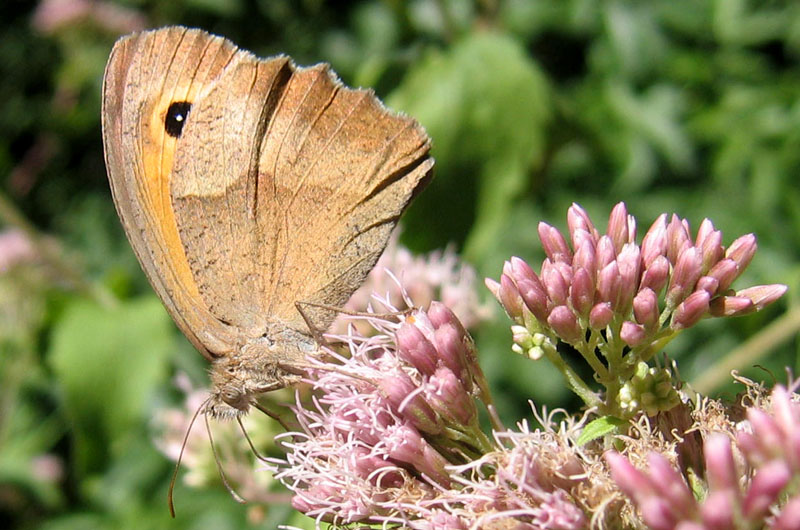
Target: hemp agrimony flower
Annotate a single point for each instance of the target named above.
(746, 474)
(390, 429)
(619, 303)
(389, 420)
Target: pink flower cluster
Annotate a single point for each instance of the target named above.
(618, 303)
(737, 497)
(609, 280)
(390, 420)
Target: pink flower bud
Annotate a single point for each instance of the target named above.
(493, 287)
(405, 444)
(656, 275)
(555, 284)
(566, 326)
(510, 298)
(605, 252)
(691, 310)
(725, 271)
(365, 464)
(677, 238)
(710, 245)
(318, 495)
(705, 229)
(508, 269)
(630, 268)
(657, 513)
(749, 446)
(581, 292)
(669, 484)
(763, 295)
(519, 268)
(406, 400)
(633, 482)
(742, 250)
(554, 244)
(362, 424)
(536, 299)
(633, 334)
(530, 288)
(600, 316)
(645, 308)
(747, 300)
(582, 238)
(450, 344)
(565, 270)
(577, 218)
(767, 434)
(767, 484)
(441, 317)
(439, 314)
(414, 348)
(618, 226)
(721, 469)
(654, 243)
(728, 306)
(450, 399)
(718, 511)
(708, 284)
(585, 258)
(609, 284)
(787, 414)
(685, 275)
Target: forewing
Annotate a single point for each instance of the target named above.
(145, 73)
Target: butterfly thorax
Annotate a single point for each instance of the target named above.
(260, 364)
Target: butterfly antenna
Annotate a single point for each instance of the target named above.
(225, 482)
(180, 458)
(250, 442)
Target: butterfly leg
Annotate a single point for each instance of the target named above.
(385, 315)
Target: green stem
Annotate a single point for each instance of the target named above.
(574, 381)
(588, 353)
(474, 437)
(659, 342)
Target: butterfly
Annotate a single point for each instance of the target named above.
(247, 186)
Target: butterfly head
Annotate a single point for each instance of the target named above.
(228, 403)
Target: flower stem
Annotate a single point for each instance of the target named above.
(589, 354)
(574, 381)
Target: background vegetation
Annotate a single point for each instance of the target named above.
(689, 106)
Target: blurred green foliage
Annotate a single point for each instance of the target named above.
(691, 106)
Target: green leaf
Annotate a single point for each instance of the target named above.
(600, 427)
(108, 361)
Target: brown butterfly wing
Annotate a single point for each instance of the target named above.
(145, 72)
(336, 171)
(282, 185)
(313, 178)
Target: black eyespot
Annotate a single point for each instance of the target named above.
(177, 114)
